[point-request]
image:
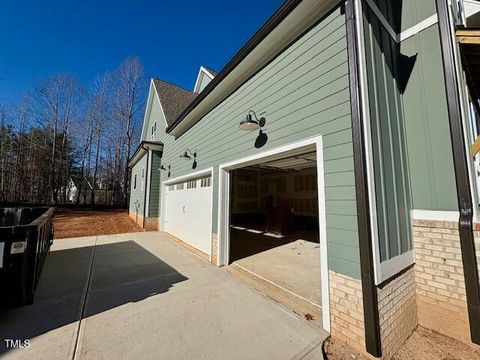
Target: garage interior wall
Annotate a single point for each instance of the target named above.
(298, 190)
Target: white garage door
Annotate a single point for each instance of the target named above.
(188, 212)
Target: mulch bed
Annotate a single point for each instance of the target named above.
(423, 344)
(70, 223)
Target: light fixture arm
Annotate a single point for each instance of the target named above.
(261, 121)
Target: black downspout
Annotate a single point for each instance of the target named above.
(146, 185)
(369, 290)
(465, 206)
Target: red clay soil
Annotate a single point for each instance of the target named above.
(423, 344)
(69, 223)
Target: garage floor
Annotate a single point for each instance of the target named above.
(294, 266)
(142, 296)
(291, 261)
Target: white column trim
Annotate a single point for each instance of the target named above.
(372, 201)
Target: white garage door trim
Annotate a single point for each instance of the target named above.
(224, 208)
(195, 175)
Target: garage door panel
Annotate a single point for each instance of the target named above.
(189, 215)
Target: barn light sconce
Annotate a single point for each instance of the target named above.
(188, 155)
(252, 122)
(163, 167)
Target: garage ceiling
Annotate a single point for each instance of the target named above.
(290, 163)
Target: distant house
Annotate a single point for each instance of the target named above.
(334, 148)
(102, 192)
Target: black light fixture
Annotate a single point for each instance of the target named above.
(252, 122)
(188, 154)
(163, 167)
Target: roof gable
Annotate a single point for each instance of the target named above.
(173, 99)
(205, 75)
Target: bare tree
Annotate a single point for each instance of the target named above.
(57, 103)
(128, 83)
(99, 112)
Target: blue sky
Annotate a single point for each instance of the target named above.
(86, 38)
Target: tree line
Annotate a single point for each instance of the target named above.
(67, 143)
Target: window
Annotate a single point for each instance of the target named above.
(154, 130)
(180, 186)
(143, 179)
(206, 182)
(171, 187)
(135, 182)
(192, 184)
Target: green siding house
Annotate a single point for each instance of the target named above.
(347, 121)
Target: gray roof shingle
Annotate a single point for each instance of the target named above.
(174, 99)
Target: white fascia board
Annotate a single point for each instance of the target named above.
(201, 73)
(210, 75)
(147, 109)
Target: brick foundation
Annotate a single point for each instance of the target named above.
(214, 259)
(397, 311)
(346, 310)
(151, 224)
(441, 299)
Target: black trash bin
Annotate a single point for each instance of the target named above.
(25, 238)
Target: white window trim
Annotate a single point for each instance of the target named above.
(142, 179)
(224, 209)
(393, 266)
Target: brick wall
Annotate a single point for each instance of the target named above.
(346, 310)
(440, 291)
(397, 311)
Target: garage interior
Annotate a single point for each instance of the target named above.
(274, 229)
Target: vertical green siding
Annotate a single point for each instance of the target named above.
(388, 139)
(428, 134)
(413, 164)
(303, 93)
(137, 195)
(153, 203)
(403, 14)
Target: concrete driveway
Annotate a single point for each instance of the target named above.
(142, 296)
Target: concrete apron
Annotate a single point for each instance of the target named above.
(141, 295)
